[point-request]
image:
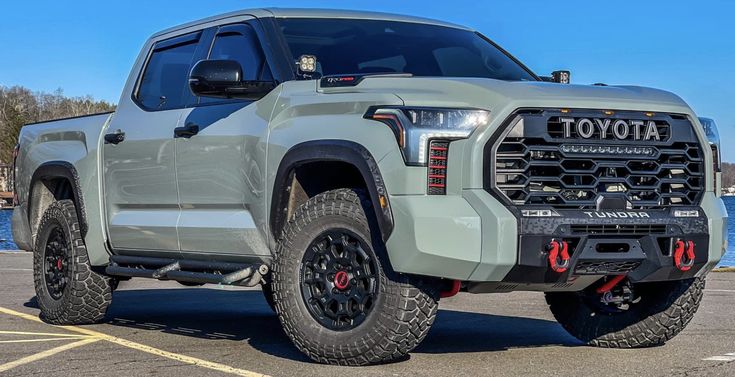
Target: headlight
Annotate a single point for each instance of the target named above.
(710, 129)
(415, 126)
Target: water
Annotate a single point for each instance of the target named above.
(729, 258)
(6, 237)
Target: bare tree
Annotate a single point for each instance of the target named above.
(20, 106)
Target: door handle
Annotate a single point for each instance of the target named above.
(187, 131)
(116, 137)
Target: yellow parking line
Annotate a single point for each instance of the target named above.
(44, 339)
(143, 348)
(2, 332)
(41, 355)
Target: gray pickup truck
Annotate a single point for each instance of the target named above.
(360, 166)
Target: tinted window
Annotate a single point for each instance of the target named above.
(165, 80)
(347, 46)
(239, 43)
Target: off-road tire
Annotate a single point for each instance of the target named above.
(267, 289)
(86, 294)
(664, 310)
(402, 314)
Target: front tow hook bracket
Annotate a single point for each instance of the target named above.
(558, 255)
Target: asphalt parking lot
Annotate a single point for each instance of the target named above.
(164, 329)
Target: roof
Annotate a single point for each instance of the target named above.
(315, 13)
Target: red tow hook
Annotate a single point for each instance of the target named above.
(456, 285)
(558, 255)
(610, 284)
(684, 255)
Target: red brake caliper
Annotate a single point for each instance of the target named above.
(684, 255)
(58, 264)
(559, 256)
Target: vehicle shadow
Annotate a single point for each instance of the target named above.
(239, 315)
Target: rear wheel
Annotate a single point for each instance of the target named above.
(69, 291)
(640, 315)
(335, 293)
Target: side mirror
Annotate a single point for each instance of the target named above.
(223, 79)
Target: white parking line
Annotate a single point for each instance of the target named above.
(95, 336)
(44, 354)
(720, 290)
(3, 332)
(726, 357)
(42, 339)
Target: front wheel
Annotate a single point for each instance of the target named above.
(646, 314)
(335, 293)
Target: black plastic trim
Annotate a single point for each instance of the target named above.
(332, 150)
(648, 260)
(62, 169)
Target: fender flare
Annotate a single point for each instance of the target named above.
(61, 169)
(333, 151)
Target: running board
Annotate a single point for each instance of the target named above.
(191, 271)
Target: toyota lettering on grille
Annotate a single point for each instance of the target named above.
(607, 128)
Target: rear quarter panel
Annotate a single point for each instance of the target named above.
(75, 141)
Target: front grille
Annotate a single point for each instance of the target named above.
(538, 162)
(605, 267)
(615, 229)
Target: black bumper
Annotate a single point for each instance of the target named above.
(637, 243)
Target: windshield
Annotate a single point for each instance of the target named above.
(353, 46)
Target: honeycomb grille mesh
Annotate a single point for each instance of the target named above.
(539, 170)
(605, 267)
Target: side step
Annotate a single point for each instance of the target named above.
(185, 270)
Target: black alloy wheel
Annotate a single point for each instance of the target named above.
(339, 280)
(56, 266)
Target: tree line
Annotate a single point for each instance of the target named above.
(728, 174)
(20, 106)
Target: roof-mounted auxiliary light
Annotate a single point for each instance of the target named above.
(307, 63)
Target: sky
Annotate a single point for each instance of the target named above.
(687, 47)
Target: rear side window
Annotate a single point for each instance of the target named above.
(164, 82)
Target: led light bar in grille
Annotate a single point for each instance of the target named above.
(437, 178)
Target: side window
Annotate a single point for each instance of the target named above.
(240, 43)
(164, 82)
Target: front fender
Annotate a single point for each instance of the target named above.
(333, 150)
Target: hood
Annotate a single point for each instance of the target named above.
(497, 95)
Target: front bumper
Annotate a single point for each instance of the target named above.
(475, 238)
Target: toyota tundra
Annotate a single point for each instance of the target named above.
(359, 167)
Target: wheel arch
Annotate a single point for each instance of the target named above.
(54, 180)
(347, 154)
